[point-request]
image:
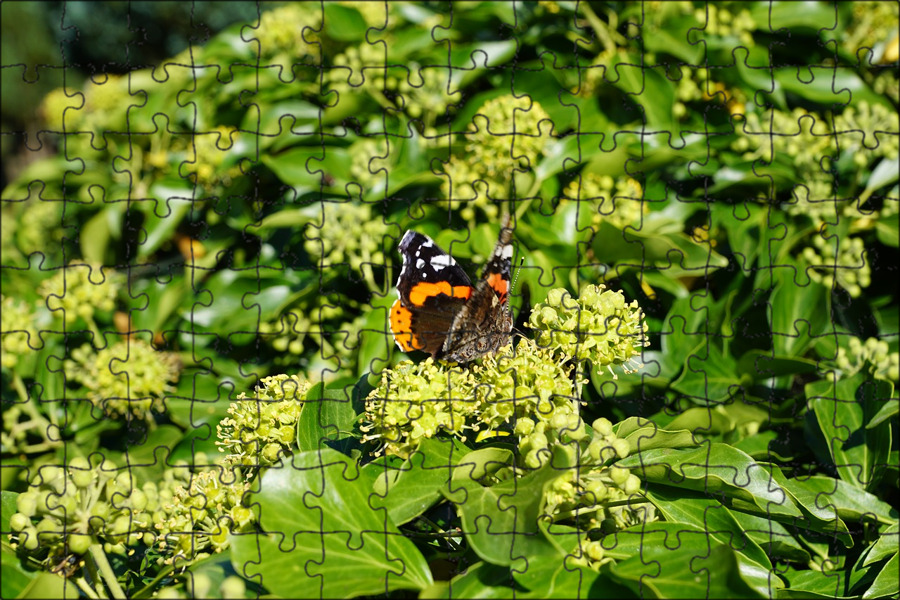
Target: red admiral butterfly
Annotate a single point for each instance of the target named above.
(441, 312)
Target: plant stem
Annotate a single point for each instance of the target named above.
(86, 588)
(106, 571)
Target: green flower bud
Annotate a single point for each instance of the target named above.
(622, 447)
(27, 503)
(602, 426)
(619, 475)
(232, 587)
(594, 550)
(199, 585)
(29, 538)
(632, 485)
(19, 521)
(79, 543)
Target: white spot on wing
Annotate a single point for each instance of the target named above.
(441, 261)
(420, 263)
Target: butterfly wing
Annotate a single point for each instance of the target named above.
(484, 323)
(433, 289)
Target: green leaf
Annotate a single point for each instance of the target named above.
(47, 585)
(651, 436)
(888, 543)
(343, 23)
(822, 515)
(481, 580)
(655, 246)
(676, 560)
(695, 508)
(813, 584)
(842, 409)
(887, 411)
(885, 584)
(7, 508)
(558, 579)
(716, 468)
(326, 420)
(798, 313)
(852, 503)
(709, 375)
(159, 224)
(414, 487)
(761, 365)
(15, 579)
(501, 522)
(326, 540)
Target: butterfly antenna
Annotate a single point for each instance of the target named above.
(516, 276)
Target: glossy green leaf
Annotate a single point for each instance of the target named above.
(501, 522)
(842, 408)
(713, 468)
(680, 561)
(411, 489)
(326, 539)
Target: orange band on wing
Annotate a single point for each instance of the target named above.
(499, 285)
(401, 327)
(423, 291)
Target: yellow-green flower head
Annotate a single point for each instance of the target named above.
(816, 199)
(210, 152)
(868, 131)
(846, 264)
(61, 111)
(106, 103)
(366, 154)
(466, 187)
(599, 326)
(128, 377)
(260, 429)
(80, 290)
(416, 401)
(347, 233)
(884, 363)
(39, 226)
(506, 134)
(425, 91)
(529, 384)
(18, 334)
(281, 30)
(617, 202)
(800, 137)
(200, 514)
(65, 510)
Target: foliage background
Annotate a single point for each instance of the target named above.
(730, 166)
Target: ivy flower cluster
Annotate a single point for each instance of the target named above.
(203, 512)
(68, 510)
(507, 135)
(93, 503)
(80, 291)
(530, 390)
(259, 430)
(129, 377)
(843, 261)
(615, 201)
(18, 334)
(348, 233)
(599, 327)
(882, 362)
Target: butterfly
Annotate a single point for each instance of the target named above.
(440, 311)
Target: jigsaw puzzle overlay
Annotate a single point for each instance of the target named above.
(210, 388)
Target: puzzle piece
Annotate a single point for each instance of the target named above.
(209, 390)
